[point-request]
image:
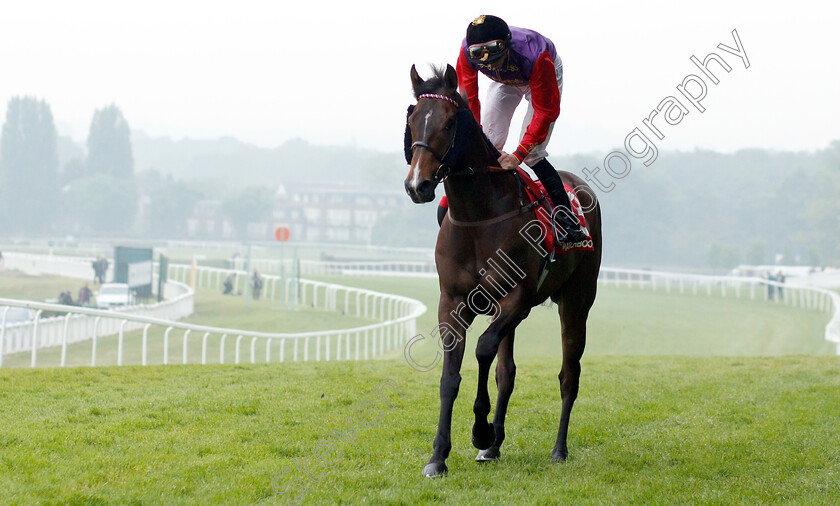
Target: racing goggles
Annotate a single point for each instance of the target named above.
(495, 47)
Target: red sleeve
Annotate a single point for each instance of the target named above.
(545, 98)
(468, 84)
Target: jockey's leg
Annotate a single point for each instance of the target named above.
(497, 111)
(536, 159)
(441, 214)
(562, 212)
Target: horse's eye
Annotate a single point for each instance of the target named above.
(449, 125)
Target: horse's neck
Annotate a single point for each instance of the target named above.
(482, 196)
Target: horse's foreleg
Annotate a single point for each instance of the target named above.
(505, 376)
(450, 381)
(484, 435)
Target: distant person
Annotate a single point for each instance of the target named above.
(228, 284)
(84, 295)
(95, 264)
(771, 290)
(66, 299)
(103, 268)
(100, 268)
(780, 278)
(256, 284)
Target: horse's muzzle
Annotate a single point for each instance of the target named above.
(420, 191)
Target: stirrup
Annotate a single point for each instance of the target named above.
(574, 232)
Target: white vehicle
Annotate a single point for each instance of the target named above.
(113, 295)
(16, 315)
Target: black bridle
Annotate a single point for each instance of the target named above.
(444, 170)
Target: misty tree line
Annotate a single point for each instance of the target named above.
(699, 208)
(96, 193)
(719, 210)
(100, 192)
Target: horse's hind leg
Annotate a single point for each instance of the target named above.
(574, 309)
(505, 376)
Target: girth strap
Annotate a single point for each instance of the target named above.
(492, 221)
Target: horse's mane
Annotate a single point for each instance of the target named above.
(437, 84)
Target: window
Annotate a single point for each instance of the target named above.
(338, 217)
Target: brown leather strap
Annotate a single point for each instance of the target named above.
(491, 221)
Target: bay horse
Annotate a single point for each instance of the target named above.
(482, 235)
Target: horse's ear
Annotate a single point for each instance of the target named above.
(451, 77)
(416, 80)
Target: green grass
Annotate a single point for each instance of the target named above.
(630, 321)
(644, 430)
(662, 416)
(16, 285)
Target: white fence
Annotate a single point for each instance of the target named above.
(397, 320)
(810, 297)
(64, 266)
(339, 268)
(397, 315)
(76, 325)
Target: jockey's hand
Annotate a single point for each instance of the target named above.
(508, 161)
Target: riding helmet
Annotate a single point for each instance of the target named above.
(487, 28)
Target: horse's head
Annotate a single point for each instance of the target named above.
(430, 132)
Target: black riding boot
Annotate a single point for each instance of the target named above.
(563, 215)
(441, 214)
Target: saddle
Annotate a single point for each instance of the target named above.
(532, 195)
(551, 237)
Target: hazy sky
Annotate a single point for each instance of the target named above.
(337, 72)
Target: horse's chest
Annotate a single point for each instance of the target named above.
(493, 277)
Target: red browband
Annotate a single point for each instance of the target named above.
(439, 97)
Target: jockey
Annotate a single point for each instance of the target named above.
(520, 63)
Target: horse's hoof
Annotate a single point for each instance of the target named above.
(435, 470)
(491, 454)
(559, 456)
(483, 437)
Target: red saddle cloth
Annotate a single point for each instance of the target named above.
(535, 191)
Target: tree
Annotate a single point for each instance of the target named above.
(170, 205)
(109, 144)
(103, 203)
(73, 169)
(107, 198)
(757, 253)
(253, 203)
(29, 172)
(721, 256)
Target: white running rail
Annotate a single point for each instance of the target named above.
(811, 297)
(397, 320)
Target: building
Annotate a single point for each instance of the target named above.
(313, 212)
